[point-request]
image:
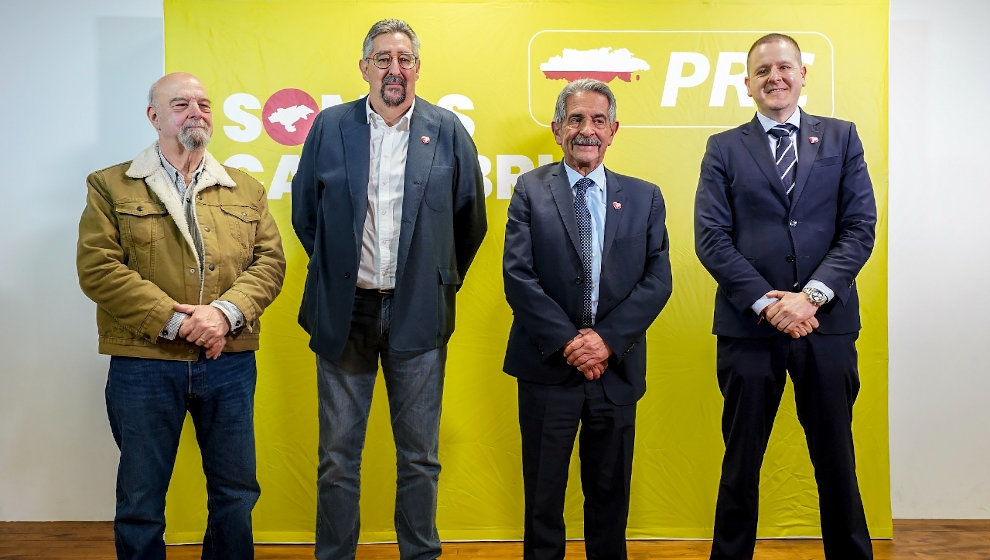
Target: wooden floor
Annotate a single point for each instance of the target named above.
(913, 540)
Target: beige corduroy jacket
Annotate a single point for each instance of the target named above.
(135, 256)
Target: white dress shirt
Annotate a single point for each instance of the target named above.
(386, 180)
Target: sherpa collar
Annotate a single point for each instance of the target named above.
(147, 163)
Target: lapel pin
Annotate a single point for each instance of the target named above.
(426, 139)
(813, 139)
(617, 206)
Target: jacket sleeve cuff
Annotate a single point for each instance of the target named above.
(171, 329)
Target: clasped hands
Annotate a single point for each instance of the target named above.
(206, 326)
(589, 353)
(792, 313)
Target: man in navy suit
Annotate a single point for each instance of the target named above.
(785, 237)
(586, 270)
(389, 204)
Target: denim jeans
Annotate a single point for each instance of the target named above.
(414, 383)
(147, 401)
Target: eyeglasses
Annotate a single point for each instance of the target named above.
(384, 61)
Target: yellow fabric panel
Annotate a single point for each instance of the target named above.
(482, 59)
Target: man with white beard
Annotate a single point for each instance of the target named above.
(181, 257)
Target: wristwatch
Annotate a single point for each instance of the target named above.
(816, 296)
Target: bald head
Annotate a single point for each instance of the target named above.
(180, 111)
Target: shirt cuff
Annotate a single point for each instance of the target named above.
(233, 314)
(829, 294)
(762, 304)
(171, 329)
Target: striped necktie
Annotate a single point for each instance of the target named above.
(584, 234)
(785, 155)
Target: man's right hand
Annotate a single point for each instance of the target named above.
(590, 369)
(796, 329)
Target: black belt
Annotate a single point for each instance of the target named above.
(375, 292)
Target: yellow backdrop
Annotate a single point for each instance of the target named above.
(676, 68)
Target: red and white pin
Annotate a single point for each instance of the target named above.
(813, 139)
(617, 205)
(426, 139)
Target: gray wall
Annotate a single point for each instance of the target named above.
(938, 265)
(73, 79)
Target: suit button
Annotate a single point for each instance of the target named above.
(347, 275)
(213, 267)
(790, 258)
(792, 223)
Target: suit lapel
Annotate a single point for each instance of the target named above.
(755, 140)
(425, 123)
(356, 139)
(615, 199)
(563, 197)
(811, 127)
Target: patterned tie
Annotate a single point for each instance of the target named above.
(584, 233)
(785, 155)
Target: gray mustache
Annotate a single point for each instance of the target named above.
(586, 141)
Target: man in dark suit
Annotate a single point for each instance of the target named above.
(586, 272)
(785, 237)
(389, 204)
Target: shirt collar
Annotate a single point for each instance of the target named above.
(376, 120)
(597, 175)
(769, 123)
(173, 173)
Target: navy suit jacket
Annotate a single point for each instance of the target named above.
(443, 224)
(542, 272)
(753, 239)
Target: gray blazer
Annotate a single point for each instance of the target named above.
(443, 224)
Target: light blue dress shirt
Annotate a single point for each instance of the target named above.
(595, 199)
(767, 124)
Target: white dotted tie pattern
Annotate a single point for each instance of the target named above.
(584, 233)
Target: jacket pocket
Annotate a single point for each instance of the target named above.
(449, 283)
(142, 226)
(439, 188)
(243, 222)
(827, 161)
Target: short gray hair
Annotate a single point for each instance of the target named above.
(584, 84)
(390, 26)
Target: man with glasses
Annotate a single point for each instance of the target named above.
(389, 204)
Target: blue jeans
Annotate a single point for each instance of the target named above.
(147, 401)
(414, 383)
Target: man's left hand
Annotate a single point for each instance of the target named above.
(792, 309)
(587, 349)
(206, 326)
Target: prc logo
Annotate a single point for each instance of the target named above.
(667, 78)
(602, 64)
(288, 116)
